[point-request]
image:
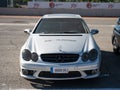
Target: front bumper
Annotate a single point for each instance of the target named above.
(75, 71)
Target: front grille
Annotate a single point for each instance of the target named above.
(71, 74)
(59, 58)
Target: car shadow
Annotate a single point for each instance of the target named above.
(109, 78)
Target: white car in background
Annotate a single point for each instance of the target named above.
(60, 47)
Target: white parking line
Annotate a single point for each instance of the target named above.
(22, 24)
(101, 25)
(16, 24)
(2, 84)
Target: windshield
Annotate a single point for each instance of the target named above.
(61, 25)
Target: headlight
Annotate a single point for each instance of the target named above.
(34, 57)
(26, 55)
(93, 55)
(85, 57)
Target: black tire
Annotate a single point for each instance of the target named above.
(116, 48)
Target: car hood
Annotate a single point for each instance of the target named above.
(57, 44)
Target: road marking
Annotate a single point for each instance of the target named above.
(2, 84)
(22, 24)
(16, 24)
(101, 25)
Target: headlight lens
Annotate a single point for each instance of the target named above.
(85, 57)
(93, 54)
(34, 57)
(26, 55)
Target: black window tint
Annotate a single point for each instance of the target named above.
(60, 25)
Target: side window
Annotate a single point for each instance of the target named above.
(86, 28)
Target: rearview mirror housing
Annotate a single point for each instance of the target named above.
(94, 31)
(27, 31)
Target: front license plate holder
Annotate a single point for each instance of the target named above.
(58, 70)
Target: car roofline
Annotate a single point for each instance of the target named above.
(62, 16)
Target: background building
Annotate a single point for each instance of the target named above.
(3, 3)
(22, 3)
(6, 3)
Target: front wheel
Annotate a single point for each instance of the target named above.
(116, 48)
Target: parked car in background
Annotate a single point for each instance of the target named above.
(118, 21)
(116, 38)
(60, 47)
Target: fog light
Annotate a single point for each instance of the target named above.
(25, 72)
(28, 72)
(91, 72)
(94, 71)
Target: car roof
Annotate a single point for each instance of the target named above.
(61, 16)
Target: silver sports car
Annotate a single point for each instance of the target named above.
(60, 47)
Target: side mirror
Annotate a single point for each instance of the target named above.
(27, 31)
(118, 23)
(94, 31)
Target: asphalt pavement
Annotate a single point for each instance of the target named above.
(12, 37)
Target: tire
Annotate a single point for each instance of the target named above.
(116, 48)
